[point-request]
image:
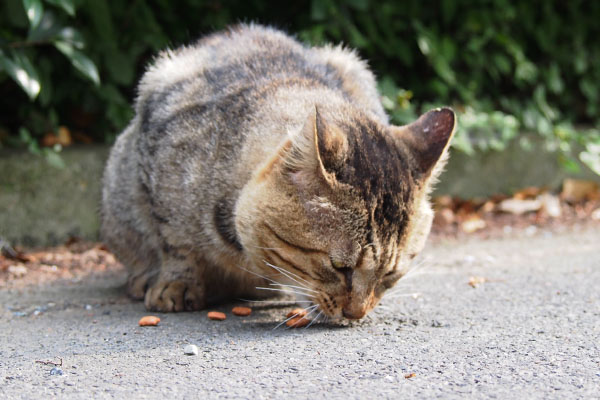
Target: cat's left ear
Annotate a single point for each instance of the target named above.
(428, 139)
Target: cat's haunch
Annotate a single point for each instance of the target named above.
(256, 165)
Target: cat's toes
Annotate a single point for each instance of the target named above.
(174, 296)
(137, 285)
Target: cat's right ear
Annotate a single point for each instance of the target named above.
(319, 148)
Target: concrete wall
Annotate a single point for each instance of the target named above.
(40, 204)
(43, 205)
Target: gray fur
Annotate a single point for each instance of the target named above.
(208, 116)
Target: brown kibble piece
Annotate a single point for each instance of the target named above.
(298, 322)
(216, 315)
(149, 320)
(241, 311)
(296, 312)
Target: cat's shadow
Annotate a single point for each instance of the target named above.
(265, 315)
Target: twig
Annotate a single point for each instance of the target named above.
(51, 362)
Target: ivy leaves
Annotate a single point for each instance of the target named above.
(18, 58)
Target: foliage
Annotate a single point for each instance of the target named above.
(506, 66)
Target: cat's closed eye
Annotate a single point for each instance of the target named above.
(337, 264)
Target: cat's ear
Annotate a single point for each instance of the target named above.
(320, 147)
(428, 139)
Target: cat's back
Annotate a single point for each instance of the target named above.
(233, 71)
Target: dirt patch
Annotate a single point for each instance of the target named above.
(73, 261)
(491, 218)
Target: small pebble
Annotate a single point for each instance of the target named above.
(56, 371)
(190, 350)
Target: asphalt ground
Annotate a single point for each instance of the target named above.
(529, 328)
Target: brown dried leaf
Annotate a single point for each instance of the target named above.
(475, 281)
(518, 207)
(530, 192)
(473, 223)
(576, 190)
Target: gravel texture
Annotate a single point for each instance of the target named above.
(529, 328)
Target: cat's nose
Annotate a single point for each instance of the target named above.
(354, 313)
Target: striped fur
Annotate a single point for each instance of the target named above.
(249, 149)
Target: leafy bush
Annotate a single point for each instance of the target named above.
(507, 66)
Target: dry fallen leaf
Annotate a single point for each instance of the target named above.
(473, 223)
(528, 193)
(446, 215)
(518, 207)
(550, 204)
(411, 375)
(17, 270)
(576, 190)
(64, 136)
(475, 281)
(443, 201)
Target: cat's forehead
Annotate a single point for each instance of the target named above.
(378, 169)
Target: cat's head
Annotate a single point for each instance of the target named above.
(342, 208)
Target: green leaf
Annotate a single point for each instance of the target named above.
(34, 10)
(319, 10)
(591, 156)
(568, 164)
(47, 29)
(72, 36)
(79, 61)
(555, 82)
(361, 5)
(53, 158)
(21, 70)
(66, 5)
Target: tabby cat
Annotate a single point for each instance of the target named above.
(255, 161)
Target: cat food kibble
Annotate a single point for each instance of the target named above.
(216, 315)
(296, 312)
(298, 322)
(241, 311)
(149, 320)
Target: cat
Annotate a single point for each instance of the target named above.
(253, 163)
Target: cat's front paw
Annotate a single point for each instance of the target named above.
(174, 296)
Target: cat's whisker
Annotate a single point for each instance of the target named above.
(294, 287)
(259, 275)
(314, 319)
(418, 267)
(289, 274)
(296, 315)
(284, 291)
(290, 302)
(396, 295)
(308, 314)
